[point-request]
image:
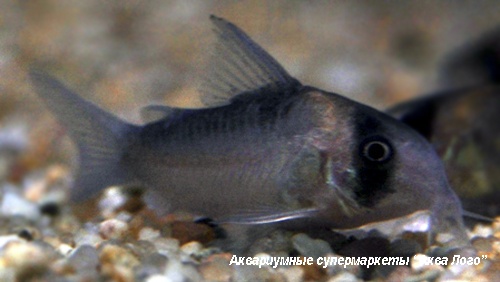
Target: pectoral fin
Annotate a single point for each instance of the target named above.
(266, 215)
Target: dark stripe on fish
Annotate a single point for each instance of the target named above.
(374, 177)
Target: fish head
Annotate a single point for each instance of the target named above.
(375, 168)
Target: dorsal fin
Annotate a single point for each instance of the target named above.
(153, 113)
(238, 65)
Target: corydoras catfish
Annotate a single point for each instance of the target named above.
(265, 150)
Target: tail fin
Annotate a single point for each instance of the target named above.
(99, 136)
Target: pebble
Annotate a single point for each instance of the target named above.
(111, 201)
(88, 235)
(252, 273)
(113, 229)
(7, 274)
(141, 249)
(496, 225)
(277, 243)
(192, 248)
(117, 256)
(482, 244)
(148, 233)
(344, 277)
(167, 246)
(418, 262)
(293, 274)
(28, 260)
(84, 261)
(4, 240)
(461, 270)
(444, 238)
(153, 264)
(118, 273)
(158, 278)
(423, 270)
(46, 185)
(428, 275)
(13, 137)
(309, 247)
(21, 253)
(216, 268)
(399, 274)
(482, 230)
(35, 186)
(335, 269)
(179, 272)
(64, 249)
(14, 204)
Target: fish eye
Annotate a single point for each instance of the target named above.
(376, 150)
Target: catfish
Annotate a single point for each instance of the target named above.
(265, 151)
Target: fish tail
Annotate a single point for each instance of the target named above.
(99, 136)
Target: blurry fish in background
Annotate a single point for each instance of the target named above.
(463, 123)
(267, 150)
(475, 63)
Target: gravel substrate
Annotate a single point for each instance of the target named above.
(122, 55)
(43, 240)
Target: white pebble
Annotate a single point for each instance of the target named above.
(167, 246)
(192, 248)
(113, 229)
(111, 201)
(158, 278)
(64, 249)
(421, 262)
(13, 204)
(22, 254)
(4, 240)
(444, 238)
(293, 274)
(310, 247)
(418, 262)
(179, 272)
(482, 230)
(148, 234)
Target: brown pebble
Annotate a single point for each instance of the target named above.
(399, 274)
(115, 255)
(482, 244)
(216, 269)
(189, 231)
(313, 272)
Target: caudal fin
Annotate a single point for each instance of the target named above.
(99, 136)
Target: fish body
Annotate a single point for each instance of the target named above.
(265, 150)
